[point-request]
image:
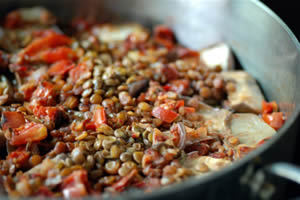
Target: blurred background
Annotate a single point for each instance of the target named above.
(288, 11)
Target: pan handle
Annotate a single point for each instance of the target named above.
(258, 181)
(285, 170)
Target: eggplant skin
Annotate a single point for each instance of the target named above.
(247, 97)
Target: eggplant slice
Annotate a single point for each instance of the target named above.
(247, 97)
(117, 33)
(250, 128)
(217, 55)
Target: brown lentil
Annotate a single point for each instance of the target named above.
(151, 125)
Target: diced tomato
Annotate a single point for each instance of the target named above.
(12, 120)
(44, 94)
(150, 155)
(269, 107)
(28, 90)
(99, 116)
(29, 132)
(90, 126)
(179, 103)
(179, 86)
(244, 150)
(19, 156)
(262, 141)
(149, 183)
(167, 87)
(158, 137)
(165, 115)
(163, 35)
(45, 112)
(75, 185)
(13, 20)
(186, 53)
(22, 70)
(170, 72)
(275, 119)
(79, 72)
(142, 97)
(123, 182)
(189, 109)
(50, 40)
(56, 54)
(61, 67)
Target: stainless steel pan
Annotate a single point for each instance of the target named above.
(263, 44)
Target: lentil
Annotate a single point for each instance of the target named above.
(151, 92)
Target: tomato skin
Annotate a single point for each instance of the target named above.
(13, 20)
(44, 94)
(179, 103)
(186, 53)
(19, 156)
(75, 185)
(164, 36)
(12, 120)
(79, 72)
(179, 86)
(123, 182)
(189, 109)
(99, 116)
(90, 126)
(57, 54)
(49, 113)
(170, 72)
(61, 67)
(22, 70)
(165, 115)
(29, 132)
(269, 107)
(275, 119)
(27, 90)
(49, 40)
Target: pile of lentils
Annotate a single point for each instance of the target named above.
(105, 94)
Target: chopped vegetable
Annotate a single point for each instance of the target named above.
(165, 115)
(121, 184)
(75, 185)
(79, 72)
(44, 94)
(12, 120)
(48, 41)
(61, 67)
(106, 107)
(19, 156)
(163, 35)
(275, 119)
(269, 107)
(99, 116)
(55, 55)
(29, 132)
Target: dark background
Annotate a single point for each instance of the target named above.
(288, 11)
